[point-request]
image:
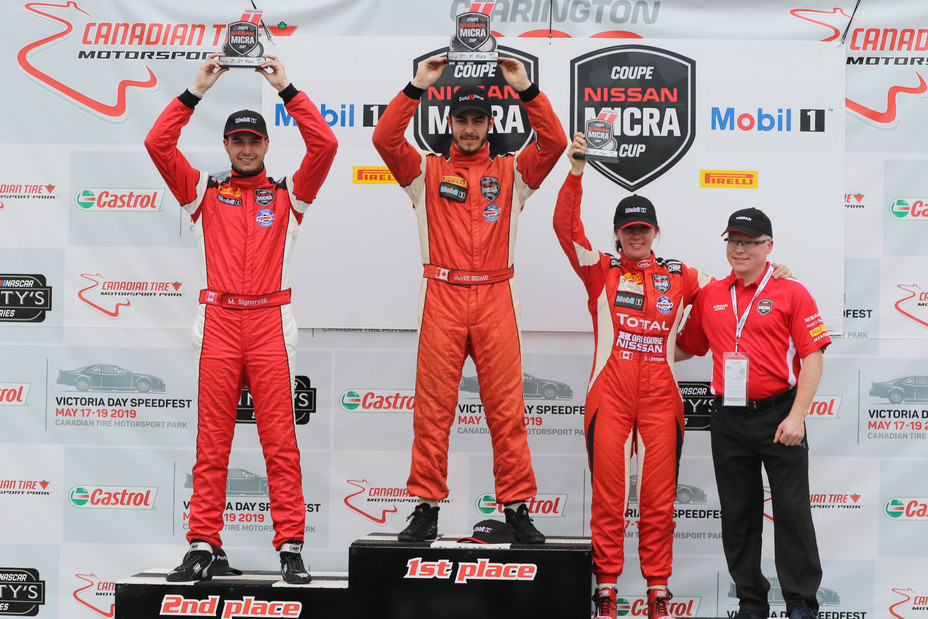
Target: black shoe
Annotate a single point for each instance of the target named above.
(802, 611)
(196, 564)
(522, 527)
(291, 564)
(423, 524)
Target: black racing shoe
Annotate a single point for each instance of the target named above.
(423, 524)
(291, 564)
(196, 564)
(522, 527)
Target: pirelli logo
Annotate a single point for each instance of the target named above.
(728, 179)
(372, 175)
(817, 330)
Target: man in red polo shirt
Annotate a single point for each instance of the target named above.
(767, 340)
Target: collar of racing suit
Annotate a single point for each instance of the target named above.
(258, 179)
(640, 264)
(458, 158)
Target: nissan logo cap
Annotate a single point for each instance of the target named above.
(470, 97)
(245, 120)
(632, 210)
(750, 221)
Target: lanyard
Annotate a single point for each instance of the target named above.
(734, 304)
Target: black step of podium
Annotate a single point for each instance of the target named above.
(454, 580)
(388, 580)
(253, 594)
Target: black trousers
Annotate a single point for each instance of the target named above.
(742, 442)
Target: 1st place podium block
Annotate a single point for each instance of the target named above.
(455, 580)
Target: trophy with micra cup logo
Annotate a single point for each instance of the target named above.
(600, 139)
(473, 41)
(242, 48)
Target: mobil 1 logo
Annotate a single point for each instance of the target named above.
(653, 93)
(511, 130)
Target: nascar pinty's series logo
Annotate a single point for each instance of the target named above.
(21, 591)
(653, 92)
(24, 298)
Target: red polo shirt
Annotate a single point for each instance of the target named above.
(782, 327)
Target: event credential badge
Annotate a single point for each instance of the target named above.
(473, 41)
(242, 48)
(600, 138)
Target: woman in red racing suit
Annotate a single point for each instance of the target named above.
(633, 405)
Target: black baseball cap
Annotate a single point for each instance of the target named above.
(470, 97)
(245, 120)
(634, 209)
(490, 532)
(750, 221)
(220, 565)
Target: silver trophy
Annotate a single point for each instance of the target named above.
(242, 48)
(473, 41)
(600, 138)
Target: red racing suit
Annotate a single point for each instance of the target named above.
(633, 405)
(245, 332)
(467, 208)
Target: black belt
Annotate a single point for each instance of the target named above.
(756, 405)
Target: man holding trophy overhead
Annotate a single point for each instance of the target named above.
(467, 206)
(246, 224)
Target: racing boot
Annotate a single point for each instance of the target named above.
(522, 527)
(604, 600)
(196, 564)
(423, 524)
(291, 564)
(657, 603)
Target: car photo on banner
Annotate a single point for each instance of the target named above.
(905, 389)
(532, 387)
(106, 377)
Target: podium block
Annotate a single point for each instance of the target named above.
(253, 594)
(444, 578)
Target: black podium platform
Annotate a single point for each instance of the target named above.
(452, 580)
(253, 594)
(388, 580)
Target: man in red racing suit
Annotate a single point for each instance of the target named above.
(467, 206)
(245, 333)
(633, 405)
